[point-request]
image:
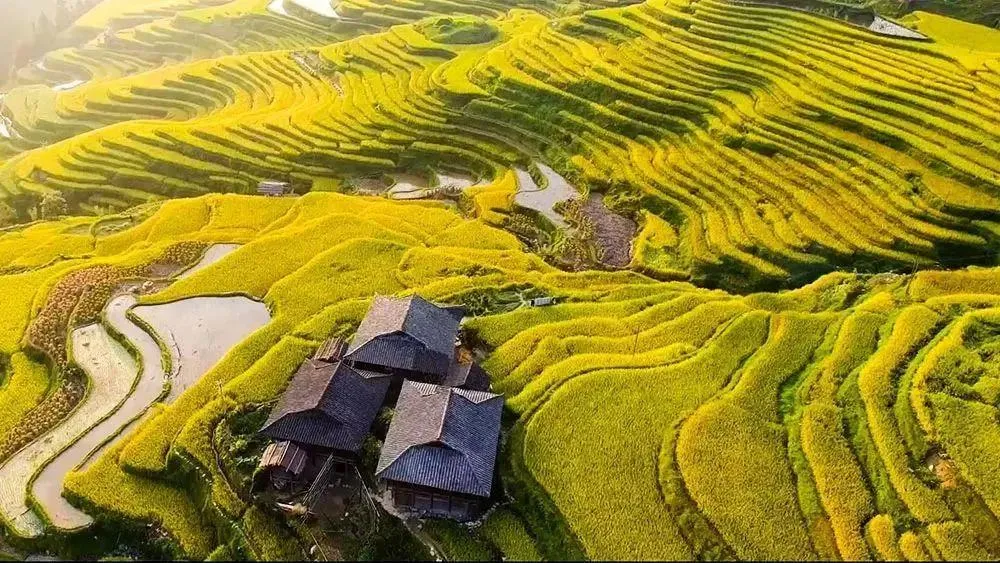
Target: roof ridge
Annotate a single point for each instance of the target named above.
(487, 396)
(409, 309)
(406, 318)
(452, 392)
(444, 411)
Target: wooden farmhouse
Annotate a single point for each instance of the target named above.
(409, 338)
(326, 413)
(439, 454)
(441, 449)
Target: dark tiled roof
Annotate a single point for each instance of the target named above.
(401, 351)
(425, 324)
(456, 311)
(444, 438)
(328, 405)
(467, 376)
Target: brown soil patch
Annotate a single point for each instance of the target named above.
(613, 232)
(944, 469)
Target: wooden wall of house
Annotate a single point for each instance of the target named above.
(434, 502)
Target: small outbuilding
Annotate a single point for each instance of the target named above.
(284, 461)
(273, 188)
(542, 302)
(440, 452)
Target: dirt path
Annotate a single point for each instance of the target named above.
(214, 253)
(200, 331)
(110, 383)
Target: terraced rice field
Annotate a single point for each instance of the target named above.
(818, 381)
(199, 331)
(214, 253)
(827, 146)
(788, 427)
(544, 199)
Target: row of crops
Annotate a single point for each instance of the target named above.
(759, 148)
(773, 145)
(854, 418)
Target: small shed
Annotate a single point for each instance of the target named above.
(331, 351)
(542, 302)
(440, 452)
(284, 461)
(274, 188)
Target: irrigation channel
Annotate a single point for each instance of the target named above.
(544, 200)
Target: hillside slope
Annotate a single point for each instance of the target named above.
(831, 146)
(793, 354)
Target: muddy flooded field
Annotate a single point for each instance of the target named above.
(199, 331)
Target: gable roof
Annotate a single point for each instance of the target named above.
(401, 351)
(329, 405)
(443, 437)
(432, 326)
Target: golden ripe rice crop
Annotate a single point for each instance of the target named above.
(799, 360)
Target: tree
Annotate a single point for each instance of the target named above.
(22, 54)
(64, 14)
(45, 33)
(53, 205)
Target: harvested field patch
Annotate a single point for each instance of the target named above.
(614, 233)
